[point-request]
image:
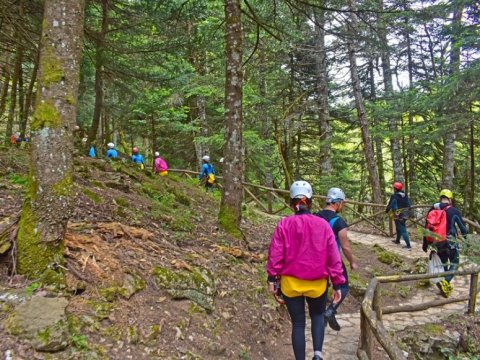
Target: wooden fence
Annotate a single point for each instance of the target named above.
(274, 201)
(371, 324)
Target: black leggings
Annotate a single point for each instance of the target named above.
(316, 309)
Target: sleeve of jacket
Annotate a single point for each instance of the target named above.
(276, 252)
(461, 225)
(334, 261)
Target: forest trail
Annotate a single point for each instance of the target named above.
(343, 344)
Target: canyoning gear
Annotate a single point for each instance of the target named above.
(445, 288)
(293, 287)
(446, 193)
(399, 207)
(334, 195)
(157, 154)
(207, 174)
(397, 185)
(301, 189)
(137, 158)
(135, 150)
(112, 153)
(436, 225)
(160, 165)
(307, 256)
(92, 152)
(110, 145)
(206, 158)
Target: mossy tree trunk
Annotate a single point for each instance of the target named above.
(48, 204)
(230, 209)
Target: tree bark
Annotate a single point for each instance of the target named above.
(230, 208)
(29, 97)
(326, 167)
(201, 149)
(99, 63)
(6, 83)
(48, 202)
(362, 117)
(13, 92)
(395, 148)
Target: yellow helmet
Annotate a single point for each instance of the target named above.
(446, 193)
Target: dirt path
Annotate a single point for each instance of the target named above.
(343, 344)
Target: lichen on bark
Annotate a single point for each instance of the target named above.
(51, 68)
(227, 219)
(45, 115)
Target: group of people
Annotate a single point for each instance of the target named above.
(159, 164)
(305, 256)
(16, 139)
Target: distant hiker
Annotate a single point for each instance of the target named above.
(334, 205)
(302, 256)
(399, 205)
(442, 237)
(111, 152)
(160, 165)
(13, 139)
(137, 158)
(207, 174)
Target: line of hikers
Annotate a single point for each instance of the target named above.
(305, 255)
(160, 167)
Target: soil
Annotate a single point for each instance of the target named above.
(128, 221)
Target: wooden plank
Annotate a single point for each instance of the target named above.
(400, 278)
(277, 211)
(354, 222)
(423, 306)
(281, 200)
(368, 221)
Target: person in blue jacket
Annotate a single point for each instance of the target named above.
(207, 173)
(111, 152)
(137, 158)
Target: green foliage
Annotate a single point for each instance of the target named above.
(31, 288)
(18, 179)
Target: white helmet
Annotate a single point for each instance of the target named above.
(157, 153)
(300, 189)
(334, 195)
(206, 158)
(110, 145)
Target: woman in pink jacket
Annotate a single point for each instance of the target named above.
(302, 256)
(159, 165)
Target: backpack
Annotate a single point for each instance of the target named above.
(332, 222)
(436, 225)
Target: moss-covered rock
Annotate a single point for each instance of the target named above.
(132, 283)
(197, 285)
(42, 321)
(387, 257)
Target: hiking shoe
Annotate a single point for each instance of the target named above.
(407, 247)
(445, 288)
(332, 321)
(395, 242)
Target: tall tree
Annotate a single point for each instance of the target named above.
(230, 208)
(47, 206)
(359, 104)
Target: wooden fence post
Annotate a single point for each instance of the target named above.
(366, 343)
(376, 304)
(472, 301)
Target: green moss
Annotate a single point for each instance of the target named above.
(45, 115)
(51, 68)
(181, 198)
(92, 196)
(122, 202)
(64, 186)
(228, 221)
(387, 257)
(44, 335)
(433, 329)
(133, 336)
(111, 293)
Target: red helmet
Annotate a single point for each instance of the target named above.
(398, 185)
(135, 150)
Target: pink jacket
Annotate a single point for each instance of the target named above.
(303, 246)
(160, 165)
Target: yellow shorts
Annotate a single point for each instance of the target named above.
(293, 287)
(163, 173)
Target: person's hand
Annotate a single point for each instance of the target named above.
(353, 266)
(425, 247)
(271, 288)
(336, 296)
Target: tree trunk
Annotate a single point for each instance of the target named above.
(29, 97)
(451, 130)
(230, 208)
(471, 198)
(395, 149)
(201, 149)
(13, 92)
(325, 159)
(99, 63)
(48, 201)
(267, 151)
(362, 117)
(6, 83)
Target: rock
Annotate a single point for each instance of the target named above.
(132, 283)
(42, 321)
(13, 296)
(197, 285)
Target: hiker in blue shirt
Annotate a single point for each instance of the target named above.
(137, 158)
(399, 205)
(334, 205)
(111, 152)
(207, 173)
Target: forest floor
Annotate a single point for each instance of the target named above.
(128, 224)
